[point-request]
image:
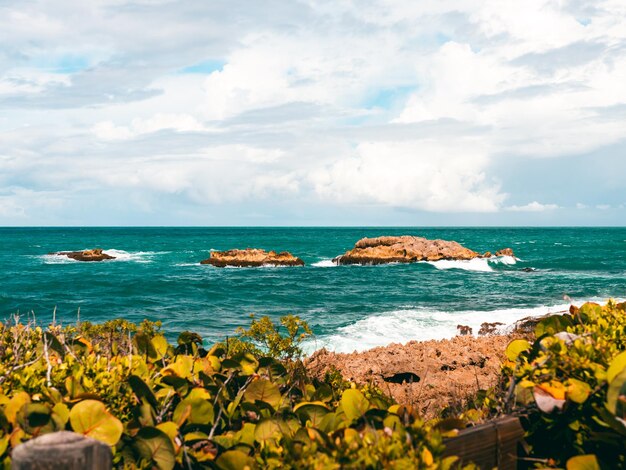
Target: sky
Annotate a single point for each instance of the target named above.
(312, 112)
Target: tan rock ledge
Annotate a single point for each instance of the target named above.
(409, 249)
(251, 257)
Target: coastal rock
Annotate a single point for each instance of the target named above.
(464, 330)
(505, 252)
(86, 255)
(408, 249)
(430, 375)
(251, 257)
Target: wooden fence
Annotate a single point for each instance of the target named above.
(489, 445)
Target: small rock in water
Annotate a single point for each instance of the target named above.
(86, 255)
(489, 328)
(505, 252)
(251, 257)
(464, 330)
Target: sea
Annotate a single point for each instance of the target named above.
(157, 275)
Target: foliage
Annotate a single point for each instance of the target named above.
(170, 406)
(267, 336)
(570, 387)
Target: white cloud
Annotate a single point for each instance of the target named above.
(424, 174)
(412, 105)
(533, 207)
(107, 130)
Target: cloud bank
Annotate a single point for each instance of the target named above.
(306, 112)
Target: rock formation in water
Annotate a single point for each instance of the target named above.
(86, 255)
(251, 257)
(408, 249)
(505, 252)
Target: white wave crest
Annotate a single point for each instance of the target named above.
(57, 259)
(510, 260)
(476, 264)
(137, 256)
(325, 263)
(422, 324)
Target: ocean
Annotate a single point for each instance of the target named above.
(157, 275)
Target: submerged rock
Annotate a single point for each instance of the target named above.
(86, 255)
(251, 257)
(407, 249)
(464, 330)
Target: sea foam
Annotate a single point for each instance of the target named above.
(422, 324)
(476, 264)
(325, 263)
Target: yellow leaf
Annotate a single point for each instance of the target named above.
(91, 418)
(15, 404)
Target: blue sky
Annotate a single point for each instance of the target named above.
(159, 112)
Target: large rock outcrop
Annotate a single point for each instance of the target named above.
(405, 249)
(251, 257)
(86, 255)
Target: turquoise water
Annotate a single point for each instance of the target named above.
(158, 276)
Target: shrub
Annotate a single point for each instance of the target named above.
(170, 406)
(570, 387)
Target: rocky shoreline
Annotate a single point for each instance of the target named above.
(431, 375)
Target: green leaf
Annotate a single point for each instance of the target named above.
(265, 391)
(91, 418)
(577, 390)
(515, 348)
(61, 414)
(617, 365)
(266, 430)
(156, 447)
(616, 396)
(35, 418)
(188, 337)
(160, 345)
(552, 325)
(312, 412)
(583, 462)
(142, 390)
(354, 404)
(144, 345)
(194, 411)
(235, 460)
(54, 343)
(248, 363)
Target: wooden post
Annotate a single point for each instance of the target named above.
(62, 451)
(488, 445)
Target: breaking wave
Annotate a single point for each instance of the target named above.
(422, 324)
(476, 264)
(325, 263)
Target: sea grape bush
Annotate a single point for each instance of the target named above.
(168, 406)
(570, 388)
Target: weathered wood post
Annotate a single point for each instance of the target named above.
(489, 445)
(62, 451)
